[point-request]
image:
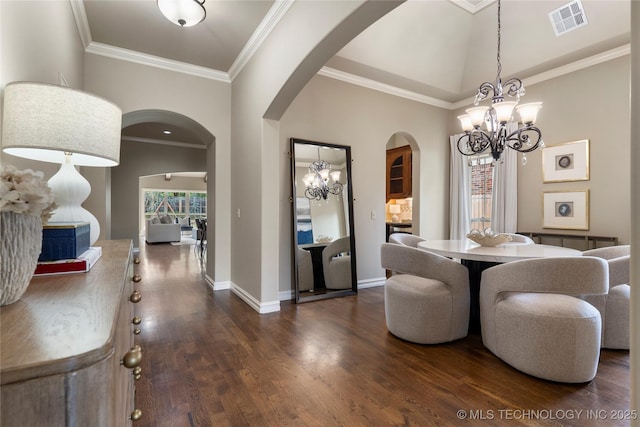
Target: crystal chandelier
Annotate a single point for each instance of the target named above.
(318, 180)
(495, 117)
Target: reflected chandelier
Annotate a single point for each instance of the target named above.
(476, 140)
(317, 180)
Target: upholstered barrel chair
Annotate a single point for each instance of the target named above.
(427, 301)
(336, 264)
(405, 239)
(533, 320)
(305, 271)
(614, 306)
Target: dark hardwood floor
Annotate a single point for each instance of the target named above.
(210, 360)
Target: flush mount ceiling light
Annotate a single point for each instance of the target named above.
(495, 118)
(185, 13)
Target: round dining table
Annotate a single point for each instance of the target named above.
(478, 258)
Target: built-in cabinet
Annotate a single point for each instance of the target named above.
(68, 353)
(399, 173)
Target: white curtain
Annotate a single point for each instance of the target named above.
(460, 188)
(504, 208)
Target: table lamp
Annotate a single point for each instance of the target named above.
(394, 210)
(58, 124)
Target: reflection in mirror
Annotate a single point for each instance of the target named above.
(323, 238)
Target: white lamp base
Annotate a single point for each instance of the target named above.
(395, 218)
(70, 189)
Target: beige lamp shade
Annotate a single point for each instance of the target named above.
(43, 122)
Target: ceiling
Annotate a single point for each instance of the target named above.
(433, 51)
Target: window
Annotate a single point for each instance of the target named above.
(481, 190)
(177, 204)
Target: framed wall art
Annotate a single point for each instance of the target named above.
(566, 162)
(566, 209)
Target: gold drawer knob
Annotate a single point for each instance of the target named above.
(133, 357)
(136, 415)
(137, 331)
(136, 260)
(137, 373)
(137, 278)
(135, 297)
(136, 320)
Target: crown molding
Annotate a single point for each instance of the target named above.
(270, 21)
(156, 61)
(472, 7)
(382, 87)
(538, 78)
(80, 16)
(163, 142)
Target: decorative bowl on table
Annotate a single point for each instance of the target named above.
(488, 237)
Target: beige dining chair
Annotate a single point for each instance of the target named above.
(614, 306)
(336, 264)
(427, 301)
(405, 239)
(533, 319)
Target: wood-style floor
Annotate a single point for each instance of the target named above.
(211, 360)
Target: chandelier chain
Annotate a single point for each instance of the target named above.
(498, 54)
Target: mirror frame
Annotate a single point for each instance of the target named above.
(352, 240)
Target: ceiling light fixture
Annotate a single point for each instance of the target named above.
(495, 118)
(317, 180)
(185, 13)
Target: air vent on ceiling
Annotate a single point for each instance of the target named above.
(568, 17)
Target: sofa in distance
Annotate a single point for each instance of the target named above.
(158, 232)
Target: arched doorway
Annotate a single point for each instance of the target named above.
(402, 206)
(155, 142)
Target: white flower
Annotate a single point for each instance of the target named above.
(25, 192)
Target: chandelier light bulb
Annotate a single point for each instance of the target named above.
(335, 176)
(476, 115)
(504, 110)
(529, 112)
(465, 121)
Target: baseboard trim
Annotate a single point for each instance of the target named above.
(260, 307)
(371, 283)
(287, 295)
(218, 286)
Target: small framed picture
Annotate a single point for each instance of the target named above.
(566, 209)
(566, 162)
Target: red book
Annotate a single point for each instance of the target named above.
(81, 264)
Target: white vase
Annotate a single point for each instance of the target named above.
(20, 248)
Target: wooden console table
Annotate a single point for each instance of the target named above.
(581, 242)
(63, 344)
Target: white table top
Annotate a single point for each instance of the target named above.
(466, 249)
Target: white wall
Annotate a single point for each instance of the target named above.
(38, 40)
(330, 111)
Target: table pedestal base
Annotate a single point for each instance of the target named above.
(475, 274)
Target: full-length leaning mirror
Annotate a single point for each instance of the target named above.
(323, 239)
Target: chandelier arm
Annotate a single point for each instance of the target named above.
(514, 87)
(522, 141)
(483, 91)
(476, 142)
(336, 189)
